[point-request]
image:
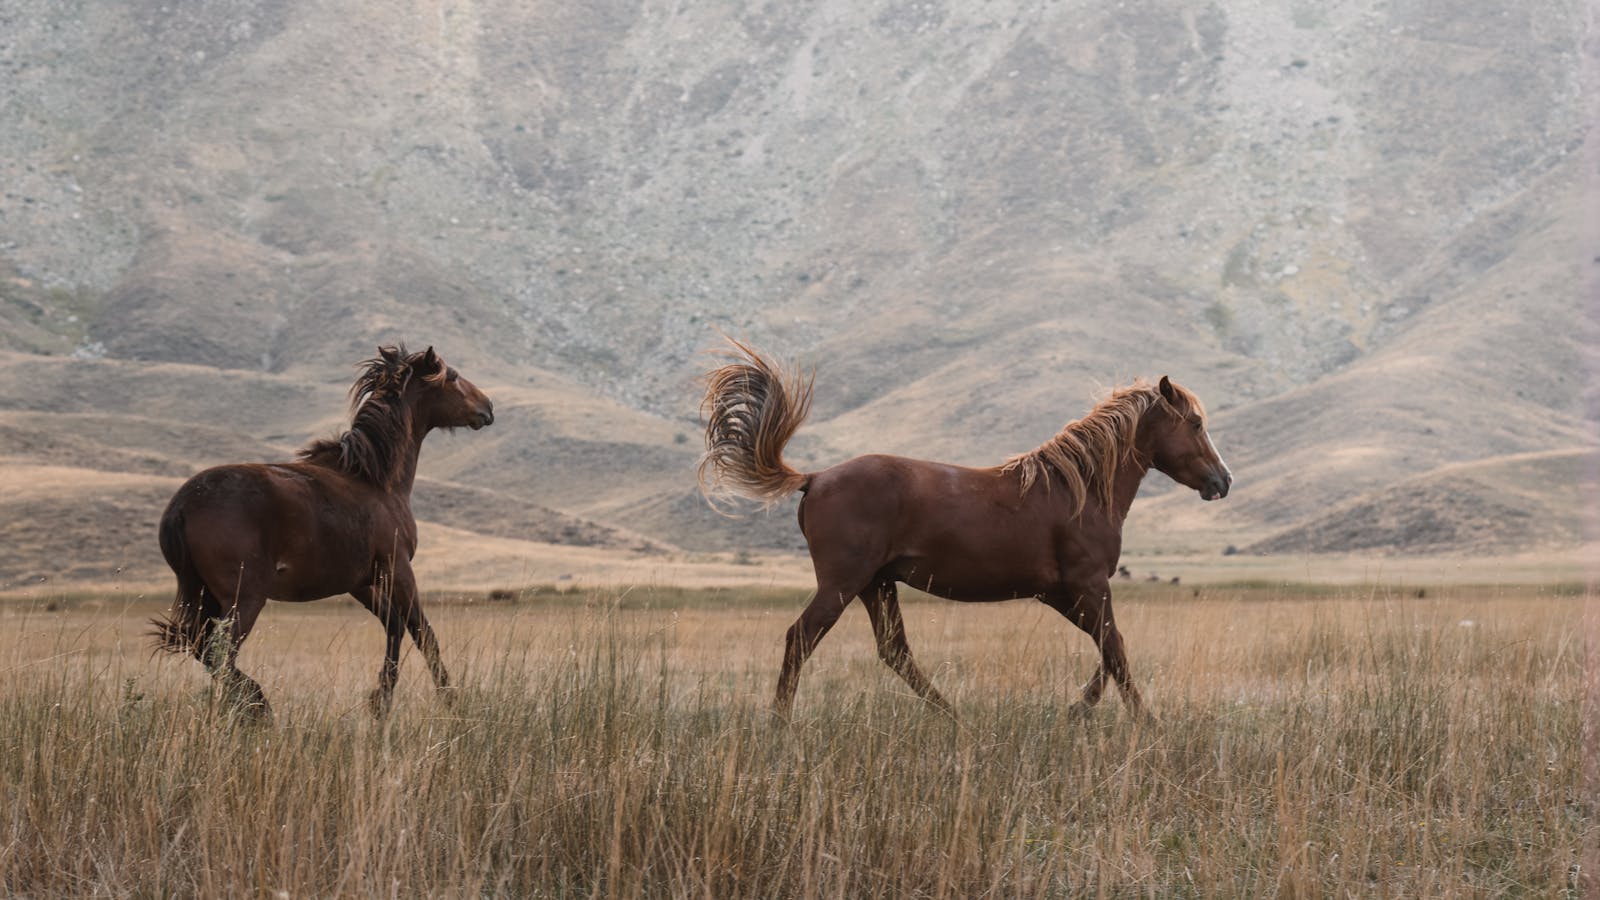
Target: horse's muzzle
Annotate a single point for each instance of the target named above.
(1216, 486)
(483, 418)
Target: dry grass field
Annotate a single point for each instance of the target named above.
(1312, 742)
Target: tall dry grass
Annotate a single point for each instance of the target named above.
(1309, 744)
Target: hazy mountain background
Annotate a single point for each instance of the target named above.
(1364, 232)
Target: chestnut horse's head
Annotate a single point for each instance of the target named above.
(439, 396)
(1173, 436)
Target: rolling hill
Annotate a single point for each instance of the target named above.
(1362, 232)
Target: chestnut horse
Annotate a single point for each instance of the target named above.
(1045, 524)
(337, 521)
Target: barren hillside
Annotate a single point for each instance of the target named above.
(1362, 231)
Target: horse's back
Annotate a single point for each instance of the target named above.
(243, 490)
(877, 480)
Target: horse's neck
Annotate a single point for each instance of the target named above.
(1129, 475)
(406, 464)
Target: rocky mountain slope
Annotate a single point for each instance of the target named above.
(1360, 230)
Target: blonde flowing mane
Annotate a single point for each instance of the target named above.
(1087, 452)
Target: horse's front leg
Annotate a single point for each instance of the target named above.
(422, 635)
(1089, 607)
(392, 597)
(391, 592)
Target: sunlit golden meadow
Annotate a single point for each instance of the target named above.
(1311, 742)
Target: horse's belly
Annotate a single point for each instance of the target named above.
(322, 569)
(304, 593)
(976, 579)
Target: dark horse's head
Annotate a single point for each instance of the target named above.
(1174, 435)
(397, 399)
(436, 393)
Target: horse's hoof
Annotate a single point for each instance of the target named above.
(244, 701)
(448, 694)
(1080, 710)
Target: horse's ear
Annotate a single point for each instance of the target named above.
(431, 361)
(389, 354)
(1168, 393)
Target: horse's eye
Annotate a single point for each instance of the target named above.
(1199, 426)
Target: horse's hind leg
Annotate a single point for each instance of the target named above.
(219, 650)
(804, 635)
(882, 601)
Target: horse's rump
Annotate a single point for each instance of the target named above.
(182, 629)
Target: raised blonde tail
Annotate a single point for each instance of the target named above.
(751, 411)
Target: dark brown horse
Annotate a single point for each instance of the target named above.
(338, 521)
(1045, 524)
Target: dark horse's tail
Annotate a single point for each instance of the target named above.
(182, 629)
(751, 411)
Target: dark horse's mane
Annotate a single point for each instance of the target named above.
(380, 425)
(1087, 452)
